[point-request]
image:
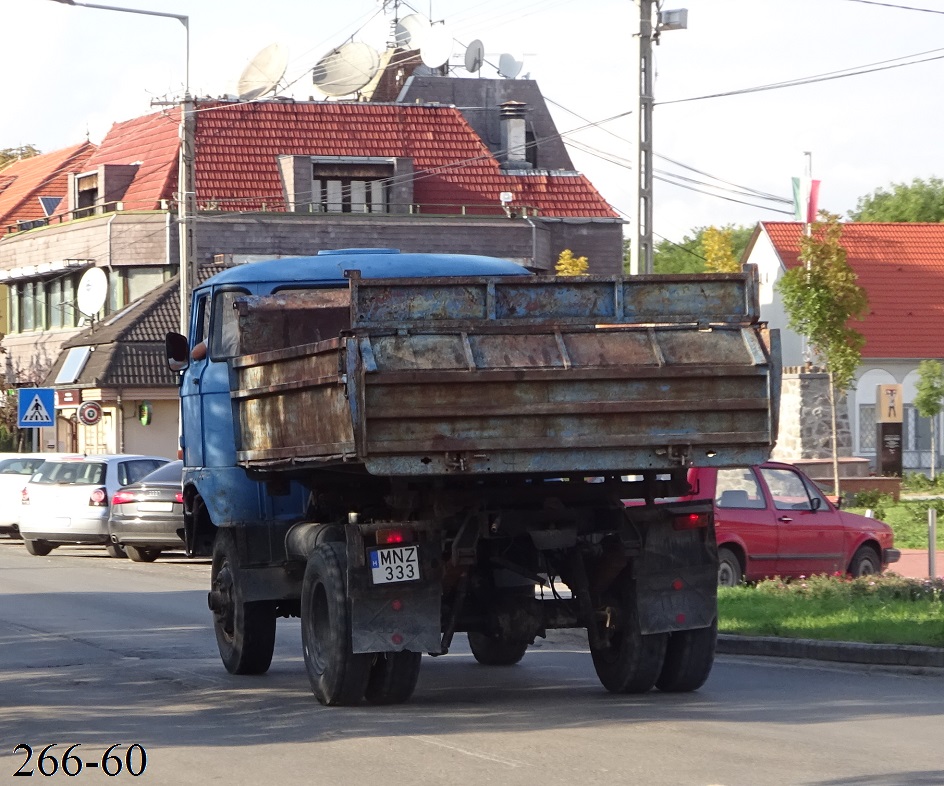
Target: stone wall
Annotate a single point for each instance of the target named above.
(805, 417)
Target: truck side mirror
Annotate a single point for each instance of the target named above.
(178, 353)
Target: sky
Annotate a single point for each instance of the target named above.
(72, 72)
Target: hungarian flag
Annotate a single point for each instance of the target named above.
(805, 199)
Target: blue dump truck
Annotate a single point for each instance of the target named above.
(397, 448)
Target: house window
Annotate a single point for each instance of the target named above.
(867, 428)
(86, 194)
(350, 186)
(915, 430)
(43, 304)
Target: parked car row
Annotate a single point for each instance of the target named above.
(770, 519)
(130, 504)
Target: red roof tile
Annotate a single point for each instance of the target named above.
(901, 267)
(237, 149)
(23, 182)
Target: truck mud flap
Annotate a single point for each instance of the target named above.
(677, 579)
(395, 617)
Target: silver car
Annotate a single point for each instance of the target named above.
(15, 471)
(68, 500)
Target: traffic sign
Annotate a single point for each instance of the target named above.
(90, 413)
(37, 407)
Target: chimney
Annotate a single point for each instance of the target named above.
(514, 135)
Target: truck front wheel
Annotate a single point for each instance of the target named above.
(337, 675)
(625, 659)
(245, 632)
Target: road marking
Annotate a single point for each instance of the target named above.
(497, 759)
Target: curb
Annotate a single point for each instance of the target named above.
(840, 651)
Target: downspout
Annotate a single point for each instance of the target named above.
(119, 425)
(534, 238)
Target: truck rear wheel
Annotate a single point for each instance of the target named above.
(245, 632)
(337, 675)
(625, 659)
(393, 677)
(496, 650)
(689, 657)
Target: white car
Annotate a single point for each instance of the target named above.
(15, 471)
(68, 500)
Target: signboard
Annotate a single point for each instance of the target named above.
(68, 398)
(36, 407)
(888, 404)
(90, 413)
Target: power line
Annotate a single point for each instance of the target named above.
(901, 7)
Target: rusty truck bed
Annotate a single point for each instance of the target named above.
(508, 375)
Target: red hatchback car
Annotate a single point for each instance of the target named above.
(772, 520)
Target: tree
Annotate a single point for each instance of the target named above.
(920, 202)
(10, 154)
(701, 251)
(929, 399)
(820, 297)
(569, 265)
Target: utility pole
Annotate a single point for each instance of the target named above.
(641, 243)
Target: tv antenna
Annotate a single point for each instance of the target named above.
(474, 56)
(263, 73)
(91, 292)
(346, 69)
(436, 46)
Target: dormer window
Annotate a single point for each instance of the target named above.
(86, 194)
(350, 185)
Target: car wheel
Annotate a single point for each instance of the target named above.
(730, 570)
(865, 562)
(115, 550)
(142, 553)
(38, 548)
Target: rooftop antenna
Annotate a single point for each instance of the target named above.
(410, 31)
(474, 56)
(91, 292)
(508, 67)
(263, 73)
(436, 46)
(346, 69)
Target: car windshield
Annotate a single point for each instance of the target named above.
(71, 472)
(20, 466)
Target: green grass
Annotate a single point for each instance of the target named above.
(872, 609)
(908, 518)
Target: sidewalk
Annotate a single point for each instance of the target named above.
(914, 564)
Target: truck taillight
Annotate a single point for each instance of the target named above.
(391, 537)
(98, 499)
(691, 521)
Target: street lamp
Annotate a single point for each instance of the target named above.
(185, 168)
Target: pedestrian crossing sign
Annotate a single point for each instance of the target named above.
(37, 407)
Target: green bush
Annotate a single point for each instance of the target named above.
(869, 498)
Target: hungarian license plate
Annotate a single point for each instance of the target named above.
(396, 564)
(155, 507)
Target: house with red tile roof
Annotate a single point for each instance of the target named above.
(901, 268)
(32, 189)
(277, 178)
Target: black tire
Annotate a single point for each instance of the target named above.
(865, 562)
(115, 551)
(730, 569)
(626, 660)
(337, 676)
(495, 650)
(142, 553)
(245, 632)
(393, 677)
(38, 548)
(689, 657)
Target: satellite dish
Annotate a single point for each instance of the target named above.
(92, 291)
(474, 56)
(508, 67)
(436, 46)
(346, 69)
(263, 73)
(411, 31)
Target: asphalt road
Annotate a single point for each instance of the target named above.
(99, 651)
